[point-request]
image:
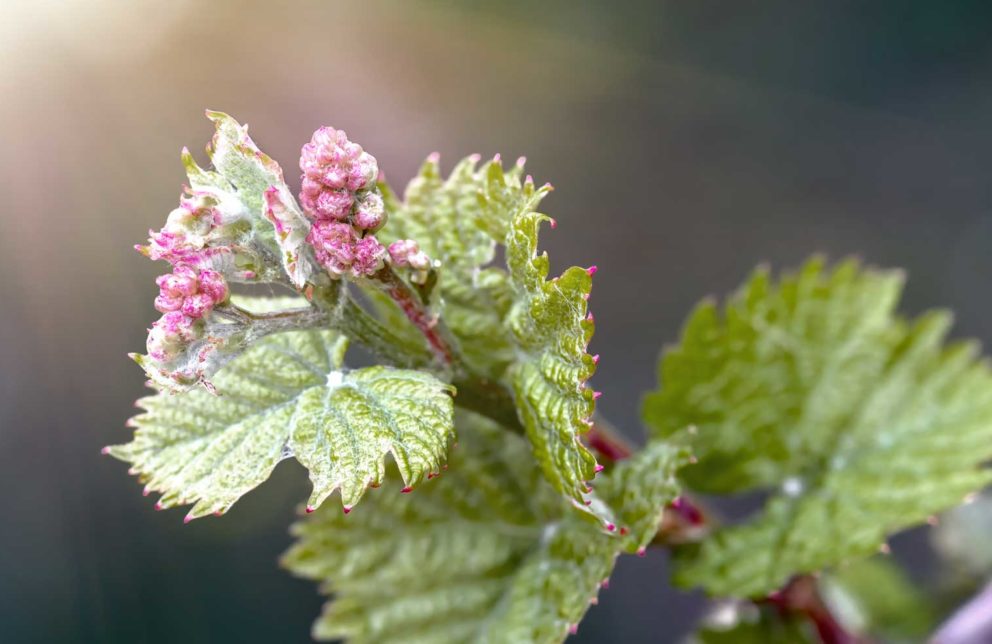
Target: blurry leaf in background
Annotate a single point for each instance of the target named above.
(743, 623)
(963, 538)
(874, 596)
(865, 423)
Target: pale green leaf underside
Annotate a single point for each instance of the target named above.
(487, 553)
(549, 325)
(863, 423)
(450, 218)
(287, 396)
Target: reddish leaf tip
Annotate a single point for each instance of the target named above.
(346, 509)
(406, 490)
(642, 551)
(105, 450)
(610, 527)
(187, 519)
(592, 270)
(596, 395)
(310, 509)
(595, 359)
(600, 467)
(573, 628)
(553, 222)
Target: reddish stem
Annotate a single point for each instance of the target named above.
(418, 314)
(607, 443)
(801, 597)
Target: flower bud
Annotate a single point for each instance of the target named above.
(333, 243)
(406, 252)
(194, 293)
(335, 164)
(370, 257)
(370, 213)
(170, 334)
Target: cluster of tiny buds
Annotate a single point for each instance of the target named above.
(340, 197)
(185, 296)
(407, 253)
(201, 232)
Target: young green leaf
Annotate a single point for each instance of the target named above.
(863, 423)
(258, 180)
(488, 553)
(638, 489)
(287, 396)
(550, 327)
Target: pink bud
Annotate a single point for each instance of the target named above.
(196, 306)
(214, 285)
(333, 204)
(370, 257)
(370, 213)
(334, 169)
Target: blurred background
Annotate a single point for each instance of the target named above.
(687, 141)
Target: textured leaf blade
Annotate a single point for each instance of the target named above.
(487, 553)
(640, 487)
(288, 396)
(550, 327)
(863, 423)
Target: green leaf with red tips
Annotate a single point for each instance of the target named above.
(488, 552)
(288, 396)
(640, 487)
(862, 423)
(551, 330)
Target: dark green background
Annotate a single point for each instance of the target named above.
(687, 140)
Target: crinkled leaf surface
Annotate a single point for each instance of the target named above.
(456, 221)
(639, 487)
(487, 553)
(550, 328)
(863, 423)
(288, 396)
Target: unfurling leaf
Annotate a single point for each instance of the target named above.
(487, 553)
(551, 330)
(288, 396)
(862, 422)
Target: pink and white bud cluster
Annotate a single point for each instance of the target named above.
(185, 296)
(406, 252)
(203, 232)
(340, 197)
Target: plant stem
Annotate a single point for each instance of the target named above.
(801, 597)
(430, 326)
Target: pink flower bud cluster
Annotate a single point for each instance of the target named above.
(203, 232)
(406, 252)
(340, 197)
(185, 296)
